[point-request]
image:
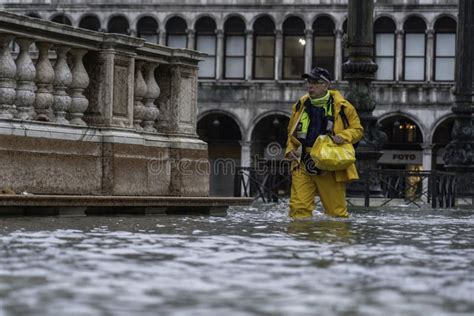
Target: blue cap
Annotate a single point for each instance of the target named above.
(318, 73)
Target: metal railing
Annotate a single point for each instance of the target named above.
(417, 188)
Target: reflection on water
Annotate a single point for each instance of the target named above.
(255, 261)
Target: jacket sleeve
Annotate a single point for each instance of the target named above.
(354, 132)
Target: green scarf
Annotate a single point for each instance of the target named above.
(322, 102)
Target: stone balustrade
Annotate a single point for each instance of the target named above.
(71, 76)
(88, 113)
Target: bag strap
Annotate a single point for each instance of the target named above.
(345, 121)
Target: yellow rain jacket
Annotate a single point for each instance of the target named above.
(352, 134)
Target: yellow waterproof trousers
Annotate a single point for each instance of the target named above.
(305, 187)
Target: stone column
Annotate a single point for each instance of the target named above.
(245, 161)
(62, 80)
(338, 56)
(139, 93)
(25, 85)
(248, 54)
(162, 38)
(44, 79)
(80, 81)
(459, 154)
(308, 50)
(399, 56)
(429, 54)
(7, 78)
(219, 54)
(360, 72)
(191, 38)
(152, 93)
(278, 54)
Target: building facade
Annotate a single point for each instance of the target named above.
(257, 51)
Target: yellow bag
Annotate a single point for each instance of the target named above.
(330, 156)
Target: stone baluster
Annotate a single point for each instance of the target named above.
(7, 78)
(80, 81)
(139, 93)
(152, 93)
(25, 76)
(62, 80)
(44, 81)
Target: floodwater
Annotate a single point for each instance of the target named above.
(255, 261)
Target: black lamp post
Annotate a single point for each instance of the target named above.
(459, 154)
(360, 71)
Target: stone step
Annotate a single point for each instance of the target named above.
(83, 205)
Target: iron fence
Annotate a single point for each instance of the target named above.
(435, 188)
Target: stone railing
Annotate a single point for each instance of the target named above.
(70, 76)
(88, 113)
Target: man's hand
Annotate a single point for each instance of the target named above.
(338, 139)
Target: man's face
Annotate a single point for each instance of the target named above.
(317, 88)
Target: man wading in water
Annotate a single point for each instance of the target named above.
(320, 111)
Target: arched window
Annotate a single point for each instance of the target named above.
(33, 15)
(147, 28)
(118, 24)
(234, 31)
(293, 48)
(323, 43)
(206, 42)
(384, 29)
(176, 33)
(90, 22)
(445, 48)
(61, 18)
(415, 43)
(264, 48)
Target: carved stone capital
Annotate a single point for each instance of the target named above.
(219, 33)
(338, 33)
(399, 32)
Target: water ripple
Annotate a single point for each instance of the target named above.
(255, 261)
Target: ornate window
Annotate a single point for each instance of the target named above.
(323, 43)
(90, 22)
(264, 48)
(62, 19)
(147, 28)
(293, 48)
(176, 35)
(206, 42)
(118, 24)
(415, 44)
(445, 48)
(384, 30)
(234, 31)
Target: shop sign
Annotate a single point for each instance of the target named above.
(402, 157)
